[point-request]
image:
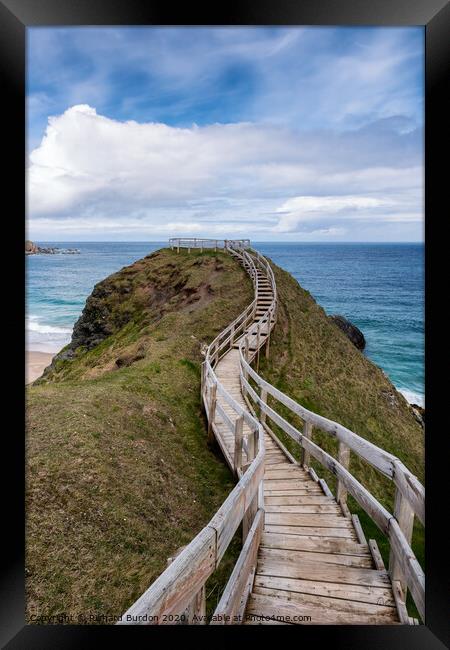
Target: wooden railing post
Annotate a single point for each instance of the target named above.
(238, 435)
(404, 514)
(262, 414)
(211, 412)
(195, 612)
(307, 433)
(257, 346)
(249, 516)
(268, 338)
(202, 381)
(344, 460)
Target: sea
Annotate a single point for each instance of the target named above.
(378, 287)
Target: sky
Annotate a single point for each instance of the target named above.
(276, 134)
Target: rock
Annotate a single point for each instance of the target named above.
(392, 397)
(33, 249)
(30, 247)
(351, 331)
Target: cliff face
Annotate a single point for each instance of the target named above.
(129, 304)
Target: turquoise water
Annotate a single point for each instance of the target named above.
(379, 287)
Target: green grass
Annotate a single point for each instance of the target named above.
(119, 475)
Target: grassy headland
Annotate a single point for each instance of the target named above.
(119, 475)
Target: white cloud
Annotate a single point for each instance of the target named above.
(94, 174)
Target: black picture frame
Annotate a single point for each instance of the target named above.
(15, 17)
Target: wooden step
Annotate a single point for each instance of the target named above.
(283, 555)
(295, 519)
(343, 592)
(316, 544)
(311, 531)
(299, 610)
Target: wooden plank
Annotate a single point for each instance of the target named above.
(238, 443)
(359, 593)
(307, 433)
(400, 603)
(273, 460)
(287, 470)
(319, 571)
(211, 411)
(286, 556)
(411, 488)
(324, 485)
(376, 555)
(273, 437)
(287, 610)
(292, 484)
(231, 597)
(358, 529)
(404, 514)
(230, 514)
(302, 509)
(302, 500)
(324, 520)
(271, 455)
(309, 530)
(223, 415)
(352, 611)
(277, 465)
(294, 492)
(311, 543)
(344, 460)
(409, 566)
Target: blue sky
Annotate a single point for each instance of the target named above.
(289, 134)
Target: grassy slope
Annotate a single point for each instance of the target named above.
(312, 361)
(119, 475)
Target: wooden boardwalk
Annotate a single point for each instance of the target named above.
(304, 559)
(310, 561)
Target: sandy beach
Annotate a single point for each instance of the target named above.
(35, 362)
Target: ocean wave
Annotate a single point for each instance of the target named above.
(33, 325)
(43, 337)
(412, 397)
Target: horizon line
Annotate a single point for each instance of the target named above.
(256, 241)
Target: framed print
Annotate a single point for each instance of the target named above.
(229, 421)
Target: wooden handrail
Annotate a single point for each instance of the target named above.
(410, 494)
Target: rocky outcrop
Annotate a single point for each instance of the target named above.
(419, 413)
(30, 248)
(351, 331)
(33, 249)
